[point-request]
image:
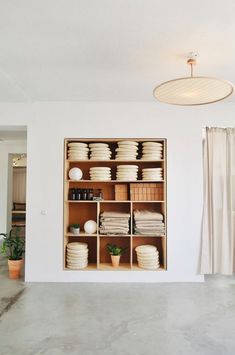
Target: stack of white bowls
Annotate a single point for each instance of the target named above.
(127, 172)
(147, 257)
(77, 255)
(152, 151)
(127, 150)
(78, 151)
(152, 174)
(100, 151)
(100, 173)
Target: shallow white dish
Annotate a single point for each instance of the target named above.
(127, 149)
(153, 144)
(127, 166)
(77, 245)
(128, 143)
(77, 144)
(100, 168)
(146, 247)
(98, 145)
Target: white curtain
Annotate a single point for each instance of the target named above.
(218, 223)
(19, 185)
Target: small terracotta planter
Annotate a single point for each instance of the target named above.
(15, 267)
(115, 260)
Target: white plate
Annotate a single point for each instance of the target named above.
(100, 168)
(127, 149)
(77, 144)
(100, 159)
(98, 145)
(77, 245)
(128, 143)
(153, 144)
(145, 247)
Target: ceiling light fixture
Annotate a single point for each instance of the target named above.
(193, 90)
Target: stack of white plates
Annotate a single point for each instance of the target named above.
(147, 257)
(127, 172)
(152, 151)
(100, 173)
(100, 151)
(127, 150)
(78, 151)
(152, 174)
(77, 255)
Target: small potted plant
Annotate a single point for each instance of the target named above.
(13, 247)
(75, 228)
(115, 253)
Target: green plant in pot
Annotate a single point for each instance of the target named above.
(13, 247)
(75, 228)
(115, 253)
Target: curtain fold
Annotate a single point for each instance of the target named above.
(218, 222)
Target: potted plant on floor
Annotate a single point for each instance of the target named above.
(13, 247)
(115, 253)
(75, 228)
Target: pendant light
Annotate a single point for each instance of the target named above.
(193, 90)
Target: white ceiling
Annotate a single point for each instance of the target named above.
(109, 50)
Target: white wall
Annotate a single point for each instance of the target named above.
(6, 148)
(48, 125)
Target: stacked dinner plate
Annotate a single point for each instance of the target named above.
(78, 151)
(100, 151)
(100, 173)
(152, 151)
(127, 150)
(77, 255)
(147, 257)
(152, 174)
(127, 172)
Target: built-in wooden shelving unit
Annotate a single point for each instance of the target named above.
(79, 211)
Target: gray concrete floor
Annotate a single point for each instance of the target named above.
(122, 319)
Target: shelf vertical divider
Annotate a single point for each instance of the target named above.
(98, 237)
(131, 234)
(66, 205)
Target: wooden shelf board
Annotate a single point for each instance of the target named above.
(114, 201)
(114, 235)
(90, 267)
(116, 181)
(116, 161)
(82, 234)
(109, 267)
(81, 201)
(18, 212)
(147, 236)
(135, 267)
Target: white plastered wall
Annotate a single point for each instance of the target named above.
(48, 125)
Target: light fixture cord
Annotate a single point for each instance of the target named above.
(191, 69)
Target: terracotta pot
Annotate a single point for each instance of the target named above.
(115, 260)
(15, 267)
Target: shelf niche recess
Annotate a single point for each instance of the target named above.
(117, 196)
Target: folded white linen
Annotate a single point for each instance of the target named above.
(112, 231)
(147, 215)
(115, 214)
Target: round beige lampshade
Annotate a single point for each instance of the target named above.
(193, 91)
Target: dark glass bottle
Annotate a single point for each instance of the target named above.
(84, 194)
(90, 194)
(78, 194)
(73, 194)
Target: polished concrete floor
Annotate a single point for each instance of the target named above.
(117, 319)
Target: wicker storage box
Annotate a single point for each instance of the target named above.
(121, 192)
(146, 192)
